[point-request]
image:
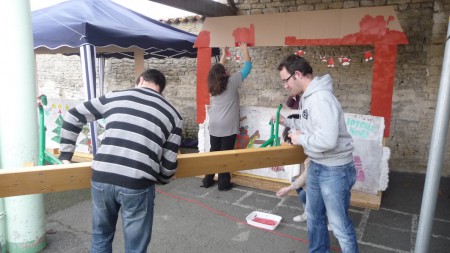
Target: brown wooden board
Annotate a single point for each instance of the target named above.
(358, 199)
(54, 178)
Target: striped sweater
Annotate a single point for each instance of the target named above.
(142, 137)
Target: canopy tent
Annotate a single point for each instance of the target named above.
(108, 26)
(103, 28)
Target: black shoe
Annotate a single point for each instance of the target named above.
(226, 188)
(207, 183)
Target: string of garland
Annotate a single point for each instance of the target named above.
(344, 60)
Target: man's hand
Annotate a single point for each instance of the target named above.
(294, 136)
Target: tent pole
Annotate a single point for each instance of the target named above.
(23, 216)
(138, 62)
(437, 149)
(101, 75)
(87, 54)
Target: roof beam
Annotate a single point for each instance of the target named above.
(207, 8)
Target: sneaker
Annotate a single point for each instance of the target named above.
(300, 218)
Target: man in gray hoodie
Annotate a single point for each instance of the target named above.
(322, 132)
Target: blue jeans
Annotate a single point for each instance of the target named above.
(328, 194)
(301, 195)
(137, 216)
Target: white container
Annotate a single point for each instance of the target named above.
(256, 214)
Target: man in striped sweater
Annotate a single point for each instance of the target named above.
(142, 136)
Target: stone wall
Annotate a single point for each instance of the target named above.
(415, 90)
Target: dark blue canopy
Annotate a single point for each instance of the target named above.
(103, 23)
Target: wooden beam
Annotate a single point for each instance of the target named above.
(205, 8)
(358, 199)
(55, 178)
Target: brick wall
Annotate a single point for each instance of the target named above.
(415, 90)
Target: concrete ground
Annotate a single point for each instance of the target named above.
(189, 218)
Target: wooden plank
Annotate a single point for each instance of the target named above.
(251, 181)
(44, 179)
(54, 178)
(366, 200)
(205, 8)
(358, 199)
(235, 160)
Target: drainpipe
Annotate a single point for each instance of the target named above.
(25, 228)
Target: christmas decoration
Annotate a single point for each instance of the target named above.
(238, 58)
(57, 130)
(300, 52)
(330, 62)
(368, 56)
(344, 60)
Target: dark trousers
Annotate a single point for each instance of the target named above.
(219, 144)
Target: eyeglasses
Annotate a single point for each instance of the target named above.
(287, 79)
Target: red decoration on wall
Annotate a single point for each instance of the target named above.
(203, 67)
(373, 30)
(383, 83)
(244, 34)
(203, 39)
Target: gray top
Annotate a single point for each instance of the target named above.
(324, 135)
(224, 109)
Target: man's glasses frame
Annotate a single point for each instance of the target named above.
(287, 79)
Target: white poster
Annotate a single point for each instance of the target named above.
(366, 130)
(53, 118)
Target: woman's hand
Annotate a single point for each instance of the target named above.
(244, 48)
(283, 191)
(223, 57)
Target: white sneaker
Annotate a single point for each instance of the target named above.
(300, 218)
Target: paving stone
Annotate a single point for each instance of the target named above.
(391, 219)
(386, 236)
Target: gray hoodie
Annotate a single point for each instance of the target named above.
(325, 138)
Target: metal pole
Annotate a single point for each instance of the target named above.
(437, 149)
(25, 217)
(2, 228)
(87, 54)
(101, 75)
